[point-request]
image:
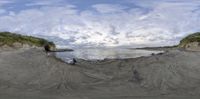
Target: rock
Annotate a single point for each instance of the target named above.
(193, 46)
(17, 45)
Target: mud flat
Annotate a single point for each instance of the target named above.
(31, 74)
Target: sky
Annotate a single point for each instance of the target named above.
(100, 23)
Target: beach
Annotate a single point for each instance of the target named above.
(31, 74)
(99, 49)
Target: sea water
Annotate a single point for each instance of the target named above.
(104, 53)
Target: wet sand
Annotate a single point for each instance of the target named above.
(31, 74)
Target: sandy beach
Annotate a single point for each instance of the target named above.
(99, 49)
(31, 74)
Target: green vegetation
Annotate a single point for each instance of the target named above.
(7, 38)
(190, 38)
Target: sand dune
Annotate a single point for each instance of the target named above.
(31, 74)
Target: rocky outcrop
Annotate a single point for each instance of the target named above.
(191, 42)
(16, 41)
(17, 45)
(193, 46)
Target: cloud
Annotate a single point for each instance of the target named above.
(42, 3)
(2, 11)
(109, 8)
(155, 24)
(45, 3)
(4, 2)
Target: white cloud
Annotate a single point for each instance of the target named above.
(109, 8)
(42, 3)
(5, 1)
(2, 11)
(45, 3)
(165, 23)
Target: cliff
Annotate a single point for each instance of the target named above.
(191, 42)
(12, 40)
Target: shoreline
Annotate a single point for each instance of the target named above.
(164, 48)
(153, 76)
(99, 57)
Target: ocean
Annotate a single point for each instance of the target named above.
(104, 53)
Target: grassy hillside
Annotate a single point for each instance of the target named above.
(190, 38)
(7, 38)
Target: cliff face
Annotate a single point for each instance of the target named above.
(193, 46)
(191, 42)
(11, 40)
